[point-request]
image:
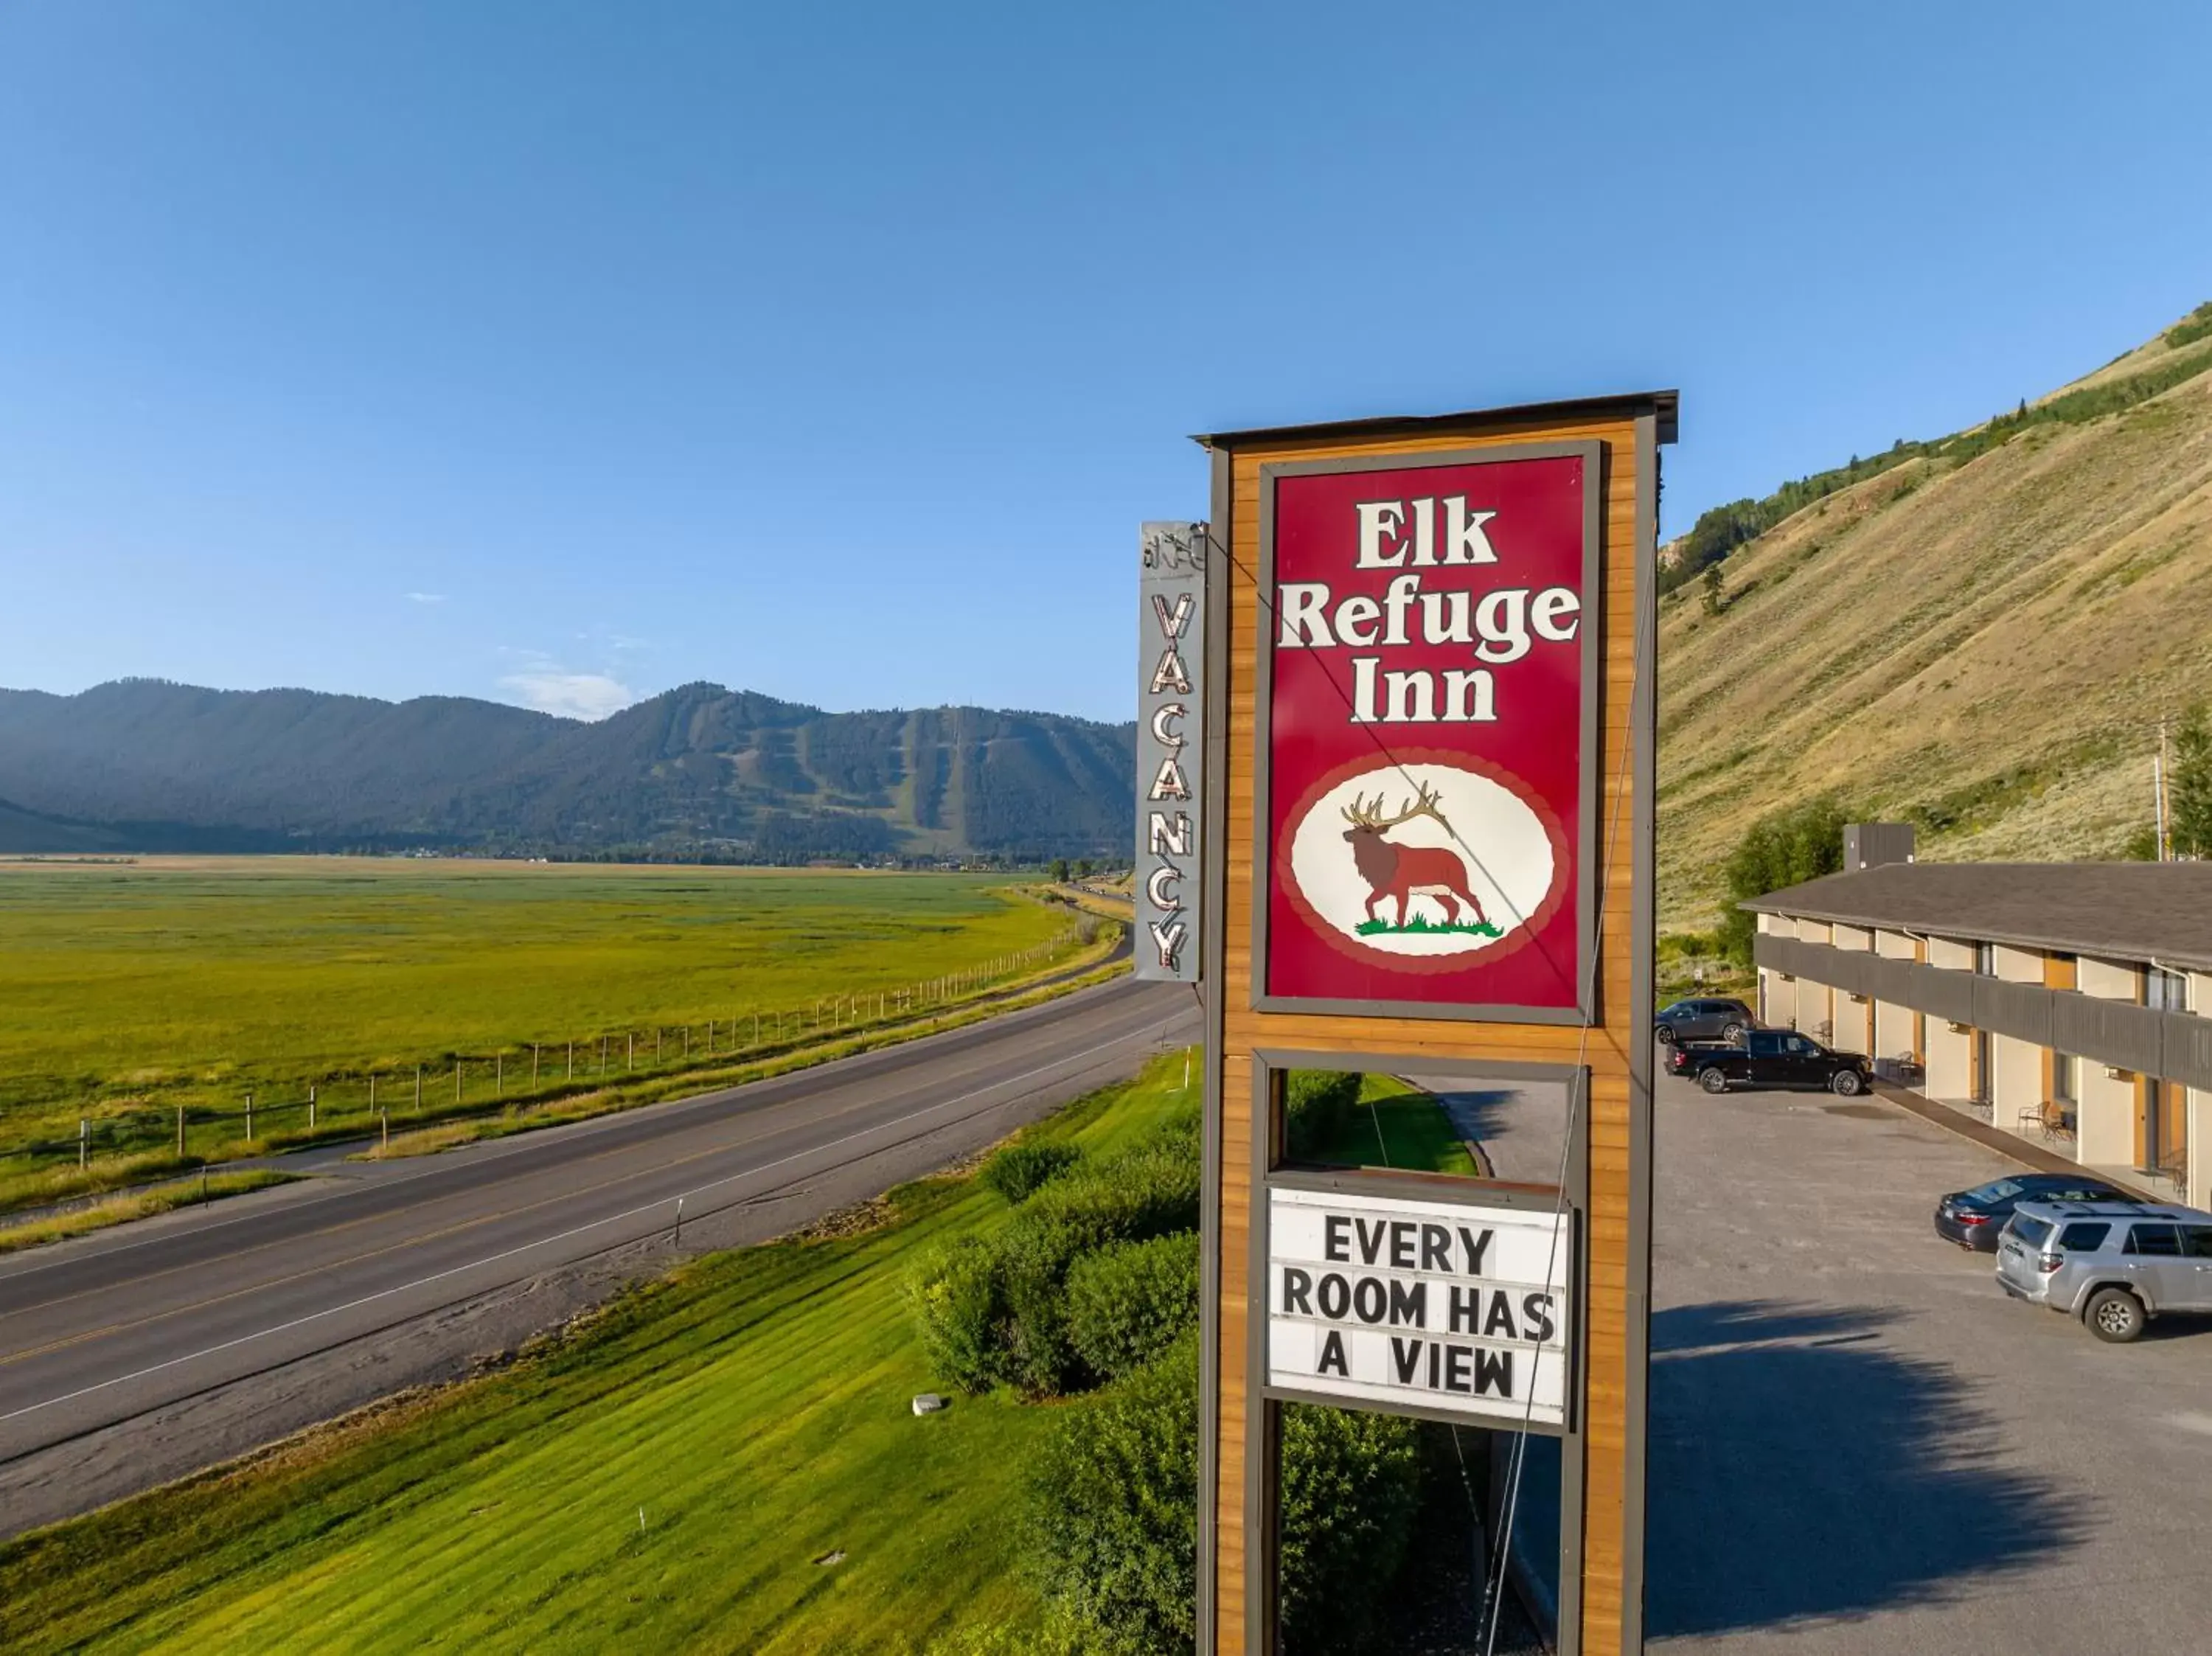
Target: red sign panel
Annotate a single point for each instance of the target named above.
(1430, 697)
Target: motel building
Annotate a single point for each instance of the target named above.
(2070, 1003)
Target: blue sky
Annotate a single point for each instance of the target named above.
(561, 352)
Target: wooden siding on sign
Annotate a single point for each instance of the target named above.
(1605, 1048)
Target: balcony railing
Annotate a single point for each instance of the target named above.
(2177, 1046)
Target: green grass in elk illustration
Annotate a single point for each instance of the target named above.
(1460, 864)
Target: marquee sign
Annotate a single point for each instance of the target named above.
(1170, 726)
(1430, 650)
(1429, 696)
(1455, 1309)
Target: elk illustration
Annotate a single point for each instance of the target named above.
(1404, 872)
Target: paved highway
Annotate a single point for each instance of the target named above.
(109, 1344)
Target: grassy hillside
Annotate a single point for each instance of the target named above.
(725, 1462)
(1977, 634)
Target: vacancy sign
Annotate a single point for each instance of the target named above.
(1440, 1309)
(1171, 737)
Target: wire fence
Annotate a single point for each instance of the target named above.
(353, 1101)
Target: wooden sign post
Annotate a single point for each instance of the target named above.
(1428, 673)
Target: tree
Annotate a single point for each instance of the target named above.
(1083, 868)
(1058, 870)
(1783, 848)
(1715, 596)
(2189, 787)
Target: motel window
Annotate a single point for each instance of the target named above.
(1986, 959)
(2166, 990)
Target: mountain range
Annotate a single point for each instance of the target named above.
(700, 772)
(1979, 633)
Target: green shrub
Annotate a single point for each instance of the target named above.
(1114, 1514)
(1149, 1190)
(1316, 1106)
(1351, 1485)
(1127, 1303)
(993, 1310)
(956, 1295)
(1016, 1171)
(2197, 325)
(1114, 1510)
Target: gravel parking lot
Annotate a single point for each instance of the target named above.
(1858, 1443)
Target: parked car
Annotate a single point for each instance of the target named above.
(2114, 1264)
(1975, 1218)
(1704, 1020)
(1771, 1058)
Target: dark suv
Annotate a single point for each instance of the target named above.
(1704, 1020)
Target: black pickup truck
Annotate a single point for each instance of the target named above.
(1769, 1058)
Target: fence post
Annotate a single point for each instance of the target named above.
(457, 1081)
(387, 1130)
(83, 1144)
(371, 1092)
(249, 1118)
(418, 1101)
(572, 1061)
(656, 1043)
(499, 1074)
(311, 1106)
(687, 1043)
(180, 1130)
(630, 1061)
(533, 1065)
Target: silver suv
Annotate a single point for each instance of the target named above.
(2114, 1264)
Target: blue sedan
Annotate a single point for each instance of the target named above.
(1973, 1218)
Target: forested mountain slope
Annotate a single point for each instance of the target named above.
(698, 771)
(1978, 634)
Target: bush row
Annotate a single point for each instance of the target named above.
(994, 1310)
(1016, 1171)
(1093, 1278)
(1113, 1507)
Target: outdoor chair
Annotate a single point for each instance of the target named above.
(2050, 1118)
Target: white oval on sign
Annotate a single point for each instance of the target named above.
(1422, 859)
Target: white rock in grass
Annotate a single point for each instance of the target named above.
(928, 1404)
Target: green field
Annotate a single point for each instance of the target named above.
(755, 1407)
(127, 990)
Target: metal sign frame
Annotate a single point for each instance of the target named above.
(1591, 453)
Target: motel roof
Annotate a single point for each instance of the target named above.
(2156, 912)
